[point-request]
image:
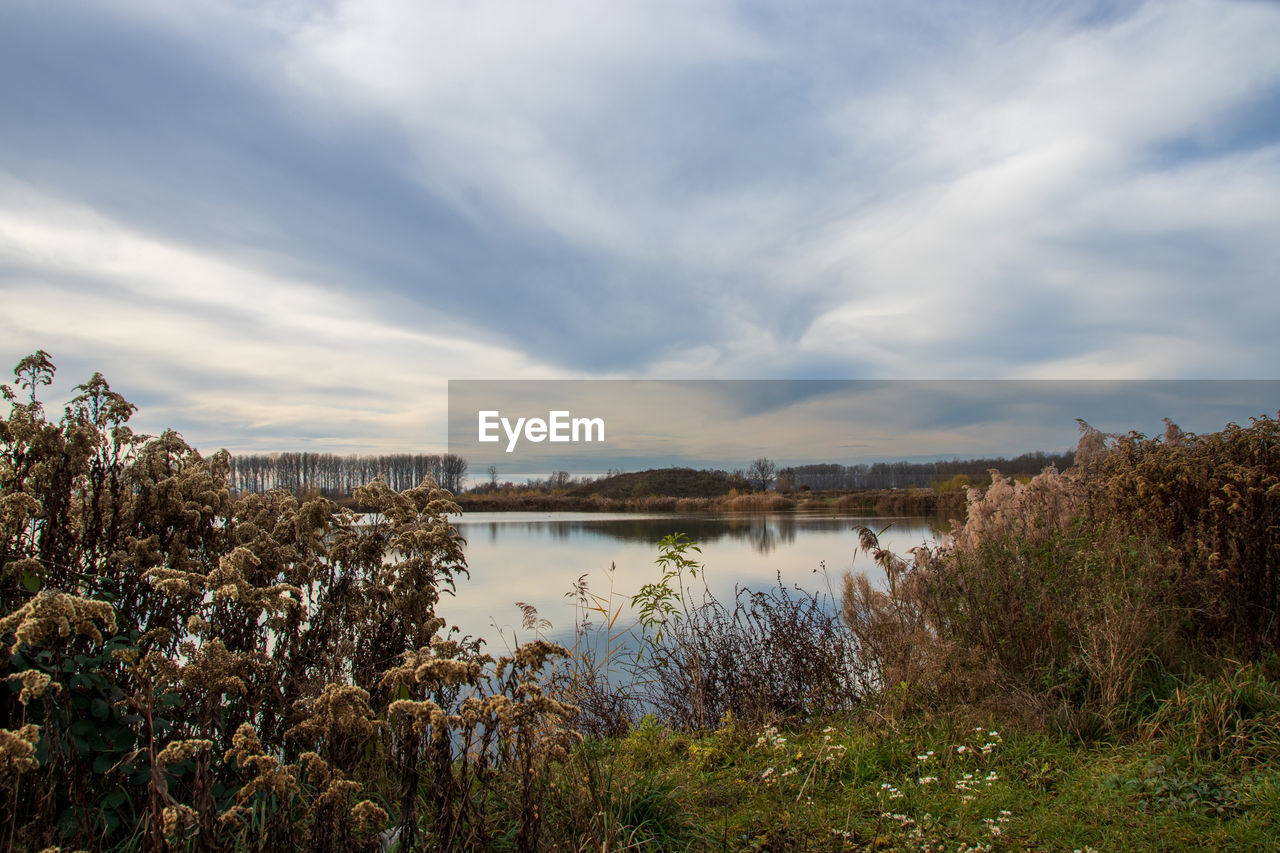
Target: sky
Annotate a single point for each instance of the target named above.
(286, 224)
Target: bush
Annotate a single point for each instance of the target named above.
(193, 669)
(1082, 587)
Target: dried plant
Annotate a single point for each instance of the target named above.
(1079, 586)
(193, 669)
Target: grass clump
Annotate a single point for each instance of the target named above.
(930, 782)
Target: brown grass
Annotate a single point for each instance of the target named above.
(1082, 587)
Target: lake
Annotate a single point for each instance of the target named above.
(536, 557)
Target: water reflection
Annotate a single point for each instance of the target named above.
(535, 557)
(765, 532)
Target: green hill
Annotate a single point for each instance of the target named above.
(669, 482)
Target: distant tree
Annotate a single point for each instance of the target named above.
(453, 470)
(761, 473)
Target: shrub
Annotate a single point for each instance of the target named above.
(188, 669)
(1083, 586)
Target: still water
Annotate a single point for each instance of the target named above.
(536, 557)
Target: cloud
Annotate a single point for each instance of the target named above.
(222, 351)
(317, 209)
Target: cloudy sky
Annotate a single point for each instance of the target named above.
(284, 224)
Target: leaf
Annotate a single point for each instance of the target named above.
(31, 582)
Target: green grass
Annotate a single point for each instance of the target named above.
(935, 784)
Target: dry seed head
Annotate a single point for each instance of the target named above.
(339, 792)
(442, 672)
(18, 749)
(181, 750)
(177, 582)
(422, 715)
(244, 745)
(159, 636)
(500, 707)
(231, 591)
(367, 817)
(234, 817)
(178, 818)
(471, 711)
(340, 713)
(532, 655)
(34, 685)
(314, 768)
(15, 509)
(56, 613)
(213, 670)
(271, 779)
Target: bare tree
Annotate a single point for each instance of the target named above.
(761, 473)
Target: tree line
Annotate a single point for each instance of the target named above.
(902, 475)
(334, 475)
